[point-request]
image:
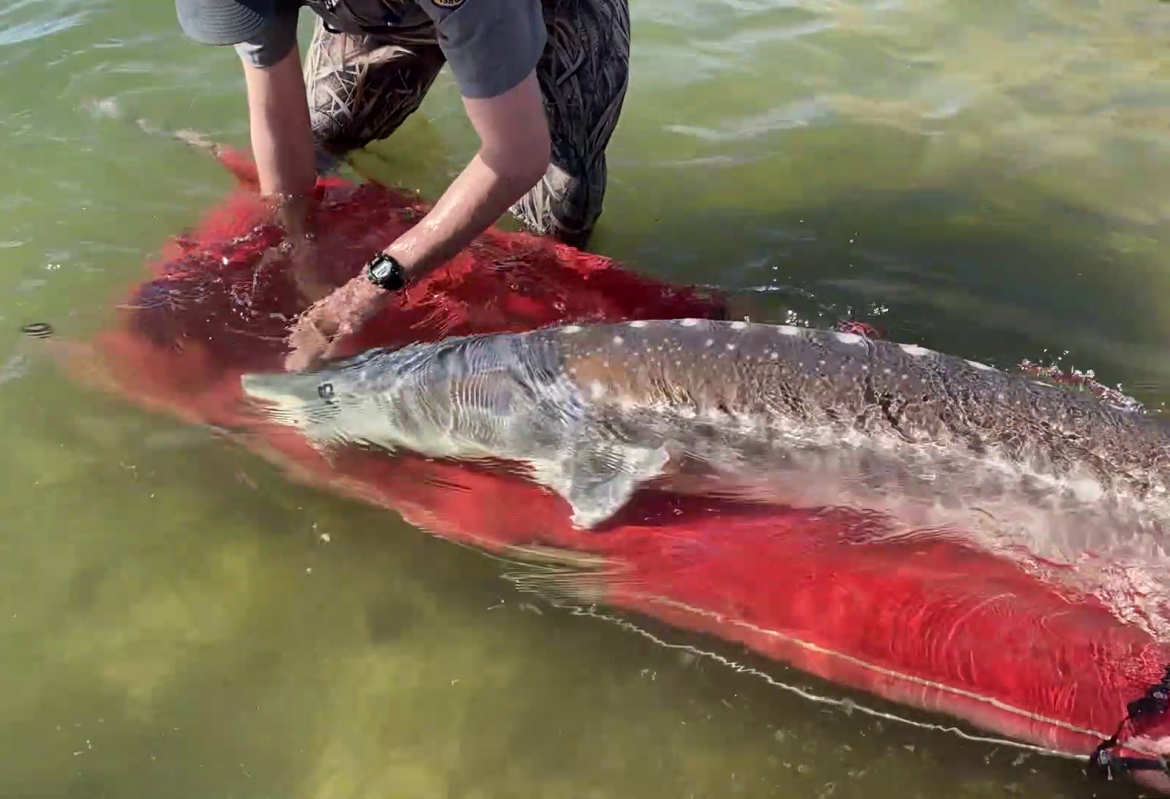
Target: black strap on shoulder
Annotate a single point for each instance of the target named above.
(1155, 702)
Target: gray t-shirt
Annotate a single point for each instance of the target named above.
(491, 45)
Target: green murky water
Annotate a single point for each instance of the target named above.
(989, 179)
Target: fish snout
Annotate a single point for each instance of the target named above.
(295, 400)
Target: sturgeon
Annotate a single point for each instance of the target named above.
(789, 414)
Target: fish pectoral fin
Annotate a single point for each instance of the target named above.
(598, 481)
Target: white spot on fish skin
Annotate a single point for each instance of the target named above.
(849, 338)
(571, 329)
(983, 366)
(638, 323)
(773, 355)
(914, 349)
(1086, 490)
(618, 339)
(596, 390)
(738, 325)
(689, 322)
(710, 341)
(730, 347)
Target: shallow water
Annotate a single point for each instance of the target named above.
(180, 620)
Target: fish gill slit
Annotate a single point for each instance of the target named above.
(869, 395)
(886, 401)
(957, 424)
(955, 419)
(883, 401)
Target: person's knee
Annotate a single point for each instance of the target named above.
(566, 203)
(361, 88)
(330, 133)
(333, 106)
(349, 112)
(579, 198)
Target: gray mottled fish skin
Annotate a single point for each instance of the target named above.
(784, 413)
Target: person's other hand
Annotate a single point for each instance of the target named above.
(304, 262)
(297, 216)
(323, 327)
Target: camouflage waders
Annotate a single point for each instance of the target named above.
(361, 88)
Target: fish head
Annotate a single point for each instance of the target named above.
(328, 406)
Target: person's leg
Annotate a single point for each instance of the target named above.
(361, 88)
(583, 75)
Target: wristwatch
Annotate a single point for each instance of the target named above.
(385, 272)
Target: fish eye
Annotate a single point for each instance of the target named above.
(325, 391)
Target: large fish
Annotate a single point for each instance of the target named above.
(782, 413)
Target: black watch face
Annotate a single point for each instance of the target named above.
(385, 272)
(382, 269)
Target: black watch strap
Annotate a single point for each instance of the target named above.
(385, 272)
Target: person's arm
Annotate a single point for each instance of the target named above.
(282, 137)
(513, 155)
(492, 47)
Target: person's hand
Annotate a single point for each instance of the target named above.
(323, 327)
(296, 215)
(303, 258)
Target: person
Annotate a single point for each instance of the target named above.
(542, 83)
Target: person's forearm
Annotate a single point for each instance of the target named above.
(481, 194)
(282, 138)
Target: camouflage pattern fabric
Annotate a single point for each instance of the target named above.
(361, 88)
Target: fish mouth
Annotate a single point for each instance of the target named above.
(270, 389)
